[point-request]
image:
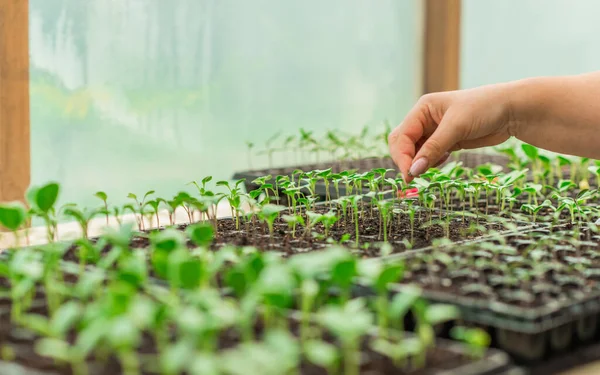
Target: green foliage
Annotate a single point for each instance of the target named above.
(201, 234)
(44, 197)
(12, 215)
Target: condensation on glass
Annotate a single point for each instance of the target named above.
(128, 95)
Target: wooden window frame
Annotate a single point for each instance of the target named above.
(15, 155)
(441, 60)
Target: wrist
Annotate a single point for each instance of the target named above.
(525, 104)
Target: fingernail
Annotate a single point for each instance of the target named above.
(418, 167)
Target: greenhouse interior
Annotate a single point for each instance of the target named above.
(286, 187)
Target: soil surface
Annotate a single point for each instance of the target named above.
(427, 228)
(526, 270)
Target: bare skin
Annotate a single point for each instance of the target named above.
(560, 114)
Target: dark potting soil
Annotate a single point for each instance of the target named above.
(528, 270)
(427, 228)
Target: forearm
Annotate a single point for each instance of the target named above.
(560, 114)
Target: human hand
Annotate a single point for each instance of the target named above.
(443, 122)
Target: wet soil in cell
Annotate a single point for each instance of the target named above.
(526, 270)
(428, 227)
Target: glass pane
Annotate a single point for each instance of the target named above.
(512, 39)
(128, 95)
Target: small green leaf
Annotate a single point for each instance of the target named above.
(168, 240)
(390, 274)
(201, 234)
(403, 301)
(37, 323)
(123, 334)
(132, 269)
(532, 152)
(321, 353)
(65, 317)
(46, 196)
(176, 357)
(89, 337)
(188, 274)
(349, 322)
(236, 280)
(101, 195)
(204, 364)
(54, 348)
(440, 313)
(344, 272)
(276, 285)
(12, 215)
(160, 262)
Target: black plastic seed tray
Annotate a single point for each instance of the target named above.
(528, 333)
(468, 159)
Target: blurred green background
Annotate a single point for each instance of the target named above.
(131, 95)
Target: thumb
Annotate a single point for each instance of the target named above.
(445, 136)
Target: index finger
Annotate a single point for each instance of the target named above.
(403, 139)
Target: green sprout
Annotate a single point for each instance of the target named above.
(477, 340)
(103, 197)
(13, 216)
(82, 217)
(139, 208)
(268, 213)
(348, 323)
(41, 201)
(293, 221)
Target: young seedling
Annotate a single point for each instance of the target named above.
(385, 211)
(477, 340)
(269, 149)
(427, 317)
(82, 217)
(535, 209)
(104, 198)
(533, 154)
(329, 220)
(268, 213)
(355, 201)
(348, 323)
(41, 201)
(313, 219)
(322, 354)
(13, 216)
(293, 221)
(263, 186)
(234, 198)
(381, 276)
(117, 212)
(154, 205)
(325, 175)
(139, 208)
(201, 234)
